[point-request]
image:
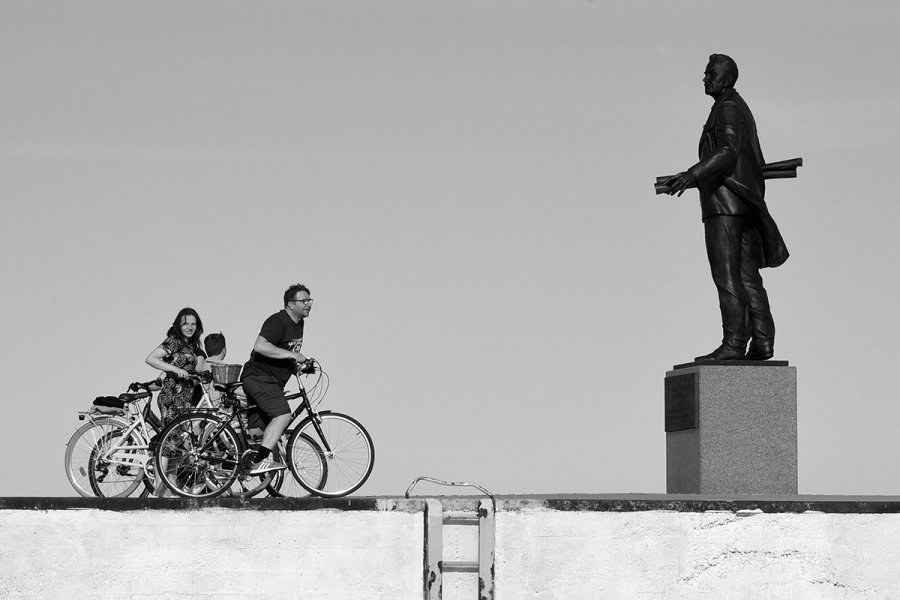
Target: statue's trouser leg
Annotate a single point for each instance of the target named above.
(724, 235)
(761, 323)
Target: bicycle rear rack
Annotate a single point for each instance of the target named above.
(435, 520)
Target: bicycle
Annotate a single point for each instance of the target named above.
(112, 454)
(109, 455)
(329, 454)
(200, 451)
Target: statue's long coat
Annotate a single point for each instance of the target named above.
(729, 174)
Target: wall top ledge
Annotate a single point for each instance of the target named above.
(505, 503)
(353, 503)
(707, 503)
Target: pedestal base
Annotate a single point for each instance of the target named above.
(731, 428)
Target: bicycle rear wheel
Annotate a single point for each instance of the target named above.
(198, 456)
(119, 473)
(348, 450)
(311, 461)
(80, 446)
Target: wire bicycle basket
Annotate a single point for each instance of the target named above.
(225, 374)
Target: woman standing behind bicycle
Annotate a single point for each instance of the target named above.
(180, 355)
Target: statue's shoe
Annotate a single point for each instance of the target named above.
(762, 352)
(723, 352)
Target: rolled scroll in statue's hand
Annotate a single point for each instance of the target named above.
(782, 169)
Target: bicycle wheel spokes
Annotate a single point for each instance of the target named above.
(198, 456)
(79, 449)
(348, 451)
(308, 460)
(116, 465)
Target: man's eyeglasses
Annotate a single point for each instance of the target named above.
(306, 301)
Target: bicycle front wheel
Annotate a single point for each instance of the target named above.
(80, 446)
(117, 465)
(310, 460)
(348, 450)
(198, 456)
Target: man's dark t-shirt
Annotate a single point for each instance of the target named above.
(280, 331)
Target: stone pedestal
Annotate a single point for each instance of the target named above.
(731, 428)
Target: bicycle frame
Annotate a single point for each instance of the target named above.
(230, 400)
(137, 424)
(306, 405)
(230, 392)
(132, 454)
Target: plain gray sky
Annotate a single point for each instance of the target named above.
(466, 187)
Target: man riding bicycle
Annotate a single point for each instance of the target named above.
(275, 357)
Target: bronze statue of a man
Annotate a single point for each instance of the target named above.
(741, 236)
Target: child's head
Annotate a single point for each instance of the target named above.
(215, 345)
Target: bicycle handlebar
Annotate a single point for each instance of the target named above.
(306, 367)
(137, 385)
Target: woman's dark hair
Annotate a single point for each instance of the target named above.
(175, 329)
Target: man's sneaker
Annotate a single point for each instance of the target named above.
(264, 466)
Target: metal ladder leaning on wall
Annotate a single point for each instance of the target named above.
(435, 520)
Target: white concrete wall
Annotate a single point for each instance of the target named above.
(551, 555)
(210, 553)
(378, 553)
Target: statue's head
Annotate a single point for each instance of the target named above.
(721, 74)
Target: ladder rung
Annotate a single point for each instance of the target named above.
(460, 514)
(459, 566)
(460, 520)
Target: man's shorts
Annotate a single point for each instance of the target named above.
(266, 398)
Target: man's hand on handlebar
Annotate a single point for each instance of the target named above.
(305, 365)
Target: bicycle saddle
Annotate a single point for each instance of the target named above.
(227, 387)
(110, 401)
